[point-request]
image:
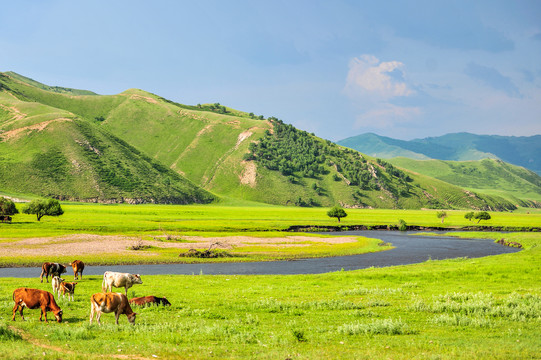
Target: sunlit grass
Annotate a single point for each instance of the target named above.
(483, 308)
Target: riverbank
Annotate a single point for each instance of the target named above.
(407, 248)
(462, 308)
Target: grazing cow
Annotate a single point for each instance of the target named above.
(56, 281)
(33, 299)
(67, 287)
(111, 302)
(78, 267)
(51, 269)
(116, 279)
(147, 300)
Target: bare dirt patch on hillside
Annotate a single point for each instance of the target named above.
(248, 176)
(39, 127)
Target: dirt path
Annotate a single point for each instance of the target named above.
(36, 342)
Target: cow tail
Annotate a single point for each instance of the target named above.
(103, 284)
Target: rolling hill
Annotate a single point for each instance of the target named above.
(523, 151)
(137, 145)
(47, 151)
(487, 176)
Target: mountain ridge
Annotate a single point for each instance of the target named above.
(523, 151)
(136, 143)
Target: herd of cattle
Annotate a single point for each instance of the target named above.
(104, 302)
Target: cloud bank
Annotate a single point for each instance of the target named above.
(368, 76)
(373, 85)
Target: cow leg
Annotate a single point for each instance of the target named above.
(41, 275)
(15, 308)
(117, 314)
(91, 312)
(43, 312)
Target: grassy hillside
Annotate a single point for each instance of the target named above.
(219, 149)
(58, 89)
(47, 151)
(485, 176)
(522, 150)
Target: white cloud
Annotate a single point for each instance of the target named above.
(368, 77)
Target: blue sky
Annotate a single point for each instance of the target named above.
(403, 69)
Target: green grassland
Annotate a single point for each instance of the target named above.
(230, 219)
(485, 308)
(179, 222)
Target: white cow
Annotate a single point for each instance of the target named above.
(56, 285)
(116, 279)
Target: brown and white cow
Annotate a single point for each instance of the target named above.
(116, 279)
(78, 267)
(33, 299)
(149, 300)
(51, 269)
(56, 281)
(111, 302)
(67, 287)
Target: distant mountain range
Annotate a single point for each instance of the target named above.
(518, 150)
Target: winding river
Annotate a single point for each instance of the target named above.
(409, 249)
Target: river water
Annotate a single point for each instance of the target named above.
(409, 249)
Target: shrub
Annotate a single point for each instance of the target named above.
(402, 226)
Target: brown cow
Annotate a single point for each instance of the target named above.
(67, 287)
(33, 299)
(111, 302)
(78, 267)
(147, 300)
(51, 269)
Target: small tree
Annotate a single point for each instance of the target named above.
(41, 208)
(337, 212)
(7, 207)
(469, 215)
(482, 215)
(402, 226)
(441, 215)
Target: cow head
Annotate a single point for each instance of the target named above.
(131, 318)
(136, 278)
(58, 315)
(61, 269)
(165, 302)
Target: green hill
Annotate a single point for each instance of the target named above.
(47, 151)
(141, 139)
(58, 89)
(523, 151)
(487, 176)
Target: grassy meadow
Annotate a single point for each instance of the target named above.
(484, 308)
(231, 217)
(179, 224)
